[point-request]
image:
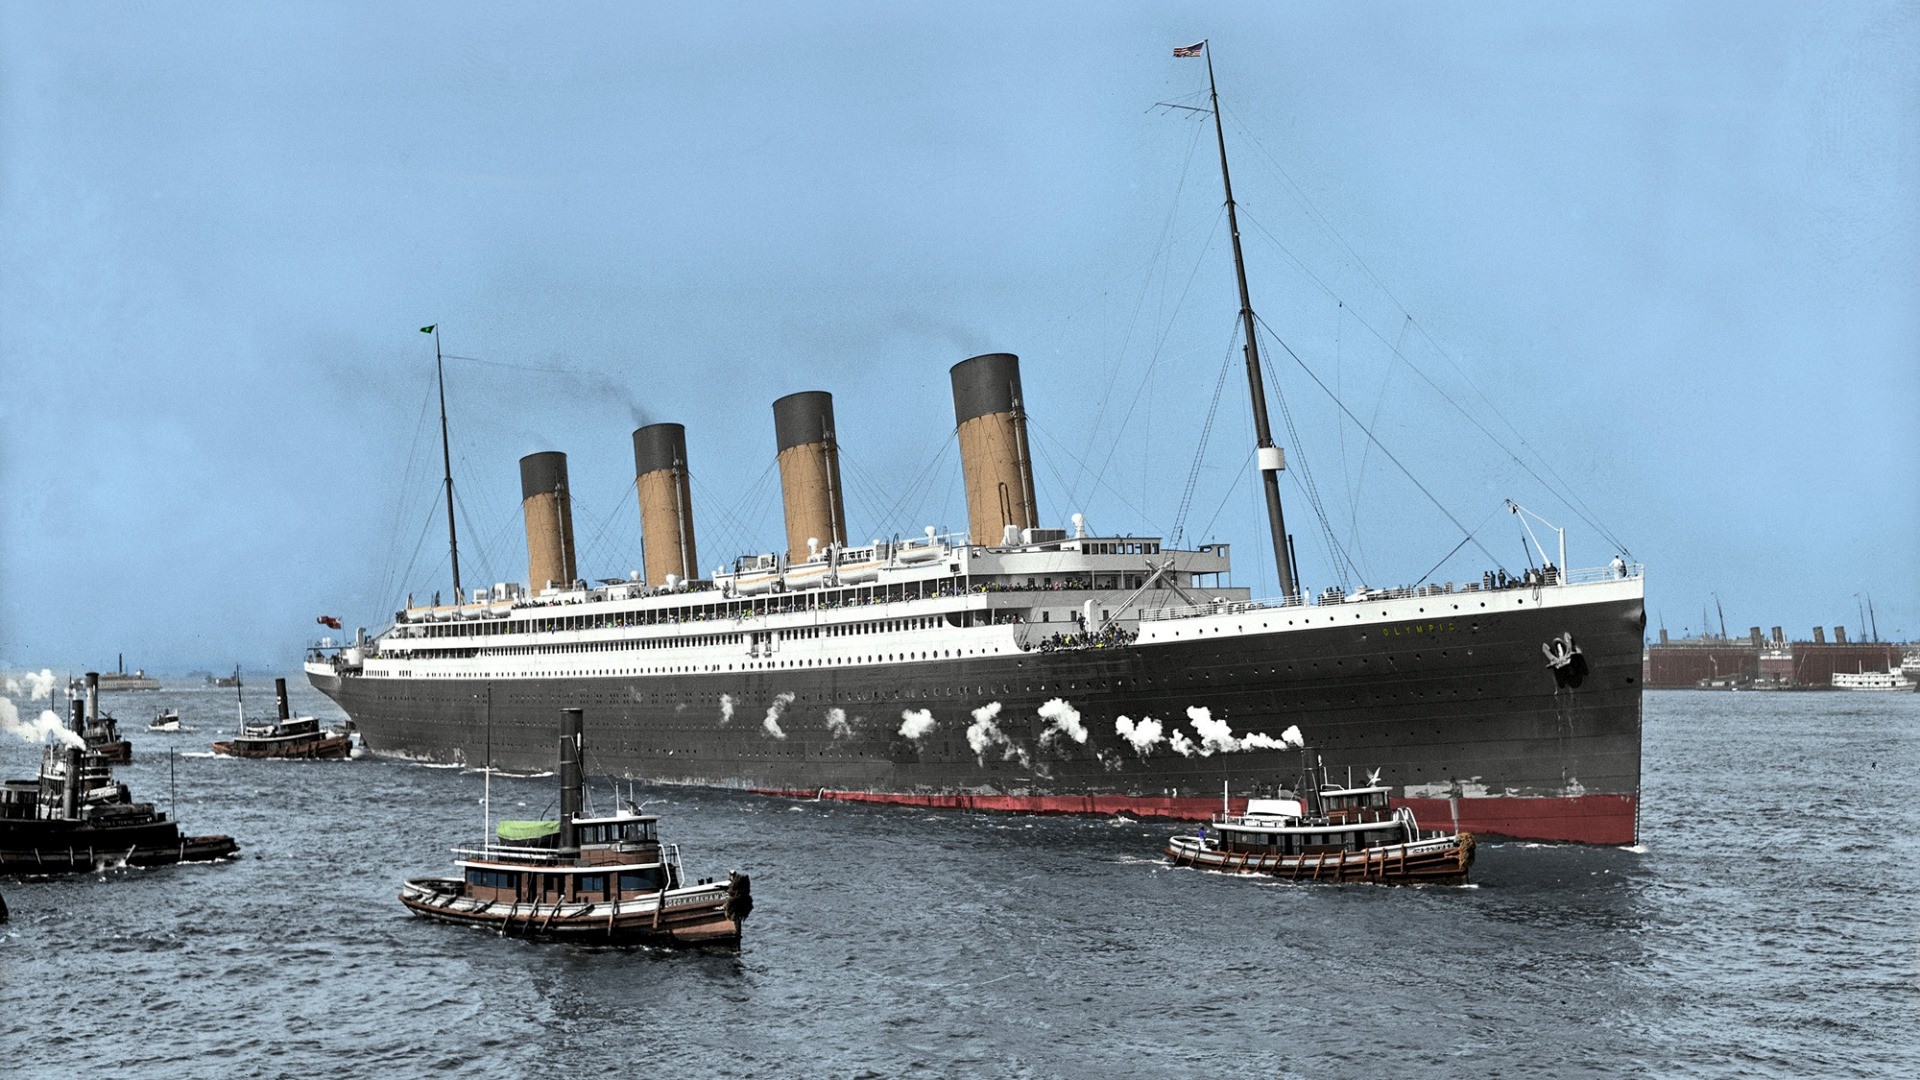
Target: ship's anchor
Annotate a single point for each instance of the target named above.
(1561, 650)
(1569, 667)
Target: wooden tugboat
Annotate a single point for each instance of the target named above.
(599, 879)
(1338, 833)
(74, 816)
(286, 737)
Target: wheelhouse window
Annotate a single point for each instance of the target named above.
(489, 879)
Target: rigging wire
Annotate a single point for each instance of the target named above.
(1375, 439)
(1161, 248)
(921, 485)
(389, 582)
(1559, 489)
(1063, 448)
(593, 546)
(425, 526)
(1565, 492)
(1303, 472)
(736, 532)
(1200, 449)
(1146, 377)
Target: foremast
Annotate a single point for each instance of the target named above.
(446, 457)
(1272, 459)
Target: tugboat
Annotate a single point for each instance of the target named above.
(102, 732)
(76, 817)
(601, 879)
(286, 737)
(1339, 833)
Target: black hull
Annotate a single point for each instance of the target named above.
(59, 847)
(1461, 716)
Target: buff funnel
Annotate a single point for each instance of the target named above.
(992, 423)
(809, 472)
(543, 496)
(666, 502)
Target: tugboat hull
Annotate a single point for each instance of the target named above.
(333, 748)
(699, 915)
(70, 851)
(1444, 861)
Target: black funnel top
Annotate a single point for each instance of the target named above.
(985, 385)
(542, 474)
(799, 419)
(659, 446)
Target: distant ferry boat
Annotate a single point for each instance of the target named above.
(111, 681)
(1013, 666)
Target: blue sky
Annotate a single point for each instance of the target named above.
(1668, 254)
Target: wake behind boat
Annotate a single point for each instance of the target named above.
(1015, 666)
(593, 879)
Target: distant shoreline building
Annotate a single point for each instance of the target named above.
(1763, 663)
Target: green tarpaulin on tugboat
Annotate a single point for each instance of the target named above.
(526, 830)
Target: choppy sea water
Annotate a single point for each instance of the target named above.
(1766, 926)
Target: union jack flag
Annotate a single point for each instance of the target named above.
(1189, 50)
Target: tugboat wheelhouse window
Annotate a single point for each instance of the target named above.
(492, 879)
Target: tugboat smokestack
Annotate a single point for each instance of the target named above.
(549, 512)
(93, 696)
(570, 781)
(989, 409)
(280, 697)
(809, 457)
(77, 716)
(666, 501)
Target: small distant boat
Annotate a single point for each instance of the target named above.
(167, 722)
(287, 736)
(74, 816)
(589, 879)
(1333, 833)
(1894, 679)
(226, 680)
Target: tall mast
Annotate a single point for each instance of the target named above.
(1272, 460)
(446, 460)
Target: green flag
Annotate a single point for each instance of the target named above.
(428, 329)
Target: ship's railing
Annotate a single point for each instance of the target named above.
(516, 854)
(1585, 576)
(1218, 607)
(1591, 574)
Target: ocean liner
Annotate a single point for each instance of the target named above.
(1012, 666)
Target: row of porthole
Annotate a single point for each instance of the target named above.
(1242, 627)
